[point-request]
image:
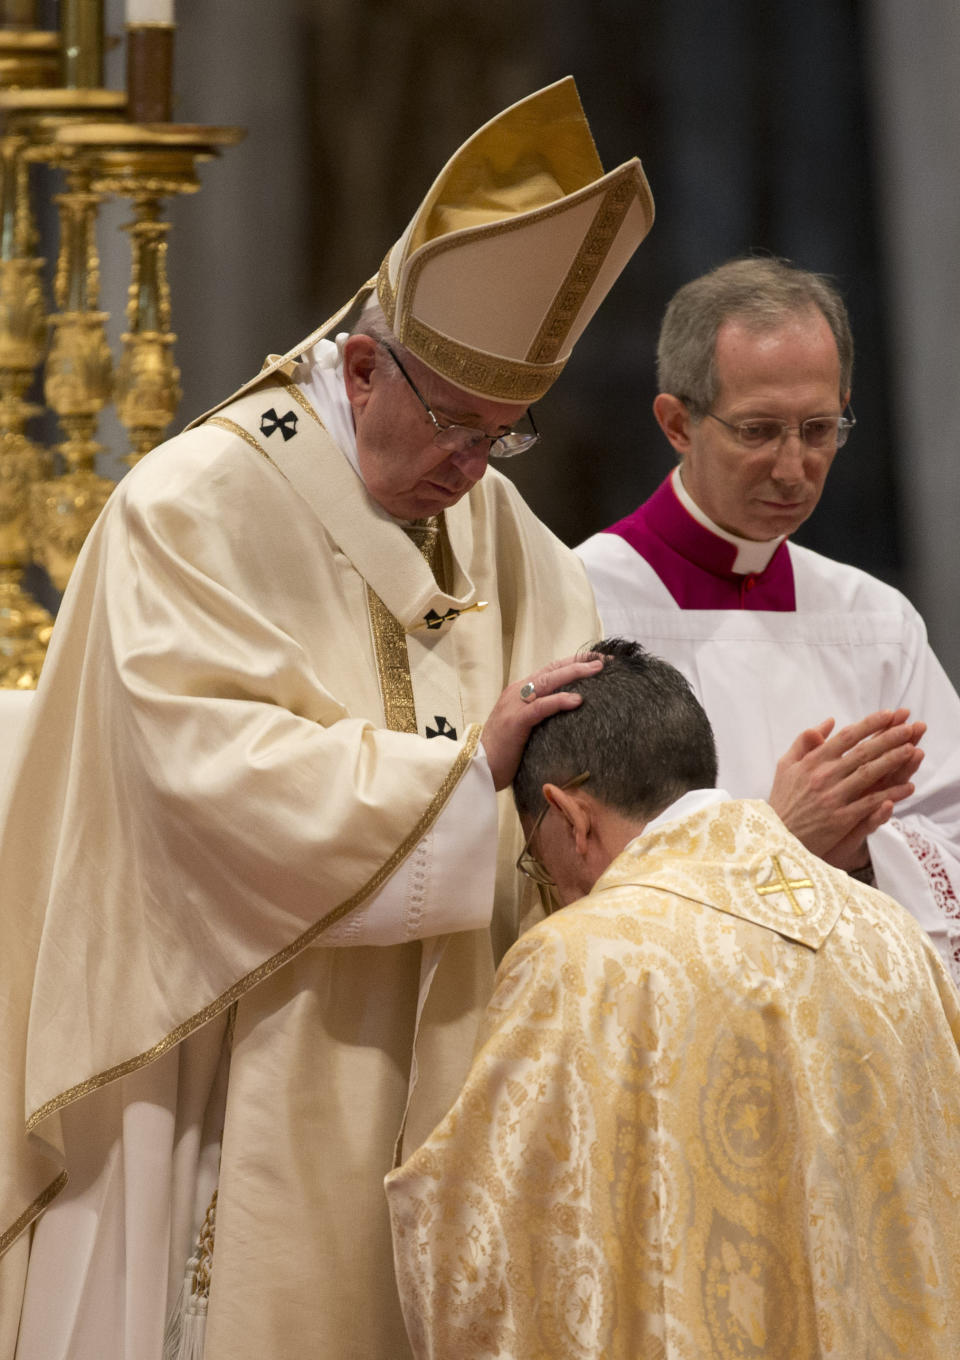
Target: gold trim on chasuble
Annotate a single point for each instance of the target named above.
(390, 639)
(8, 1238)
(432, 552)
(264, 970)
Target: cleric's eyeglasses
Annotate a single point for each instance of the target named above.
(464, 438)
(820, 433)
(527, 861)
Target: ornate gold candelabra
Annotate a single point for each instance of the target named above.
(146, 163)
(77, 375)
(25, 626)
(54, 112)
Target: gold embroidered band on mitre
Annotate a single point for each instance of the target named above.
(582, 274)
(498, 378)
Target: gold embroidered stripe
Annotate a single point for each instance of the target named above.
(582, 274)
(503, 379)
(393, 666)
(264, 970)
(293, 391)
(499, 379)
(35, 1210)
(390, 640)
(232, 427)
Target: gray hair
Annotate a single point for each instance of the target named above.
(372, 322)
(640, 732)
(761, 293)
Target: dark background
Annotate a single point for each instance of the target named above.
(762, 126)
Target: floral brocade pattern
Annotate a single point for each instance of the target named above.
(692, 1131)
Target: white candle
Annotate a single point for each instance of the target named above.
(149, 12)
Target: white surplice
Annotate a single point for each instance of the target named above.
(853, 645)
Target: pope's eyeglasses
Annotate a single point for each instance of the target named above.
(464, 438)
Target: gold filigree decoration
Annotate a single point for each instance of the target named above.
(498, 378)
(393, 666)
(582, 274)
(390, 639)
(63, 510)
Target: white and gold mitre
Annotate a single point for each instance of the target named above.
(517, 243)
(513, 249)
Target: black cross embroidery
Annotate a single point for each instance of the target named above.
(287, 425)
(435, 620)
(442, 729)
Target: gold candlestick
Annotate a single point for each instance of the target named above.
(78, 372)
(147, 163)
(81, 31)
(77, 375)
(77, 386)
(24, 625)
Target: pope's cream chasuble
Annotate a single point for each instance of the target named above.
(259, 704)
(715, 1113)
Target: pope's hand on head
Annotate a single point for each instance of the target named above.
(524, 704)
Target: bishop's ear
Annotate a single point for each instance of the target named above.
(575, 810)
(674, 420)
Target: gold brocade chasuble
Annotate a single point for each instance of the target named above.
(715, 1115)
(229, 697)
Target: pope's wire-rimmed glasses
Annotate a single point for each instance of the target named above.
(464, 438)
(527, 862)
(820, 433)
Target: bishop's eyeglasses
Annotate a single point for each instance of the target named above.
(527, 862)
(464, 438)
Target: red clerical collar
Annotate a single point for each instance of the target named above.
(696, 566)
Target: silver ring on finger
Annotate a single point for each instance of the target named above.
(528, 692)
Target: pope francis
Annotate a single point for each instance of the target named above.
(715, 1111)
(250, 857)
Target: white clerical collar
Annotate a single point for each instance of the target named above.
(752, 557)
(320, 379)
(684, 806)
(322, 384)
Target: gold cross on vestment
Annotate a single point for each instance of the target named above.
(781, 884)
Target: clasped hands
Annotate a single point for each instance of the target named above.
(832, 791)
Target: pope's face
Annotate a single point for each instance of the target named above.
(789, 373)
(403, 469)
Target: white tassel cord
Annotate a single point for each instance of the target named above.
(187, 1325)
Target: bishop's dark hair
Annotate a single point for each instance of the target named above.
(640, 731)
